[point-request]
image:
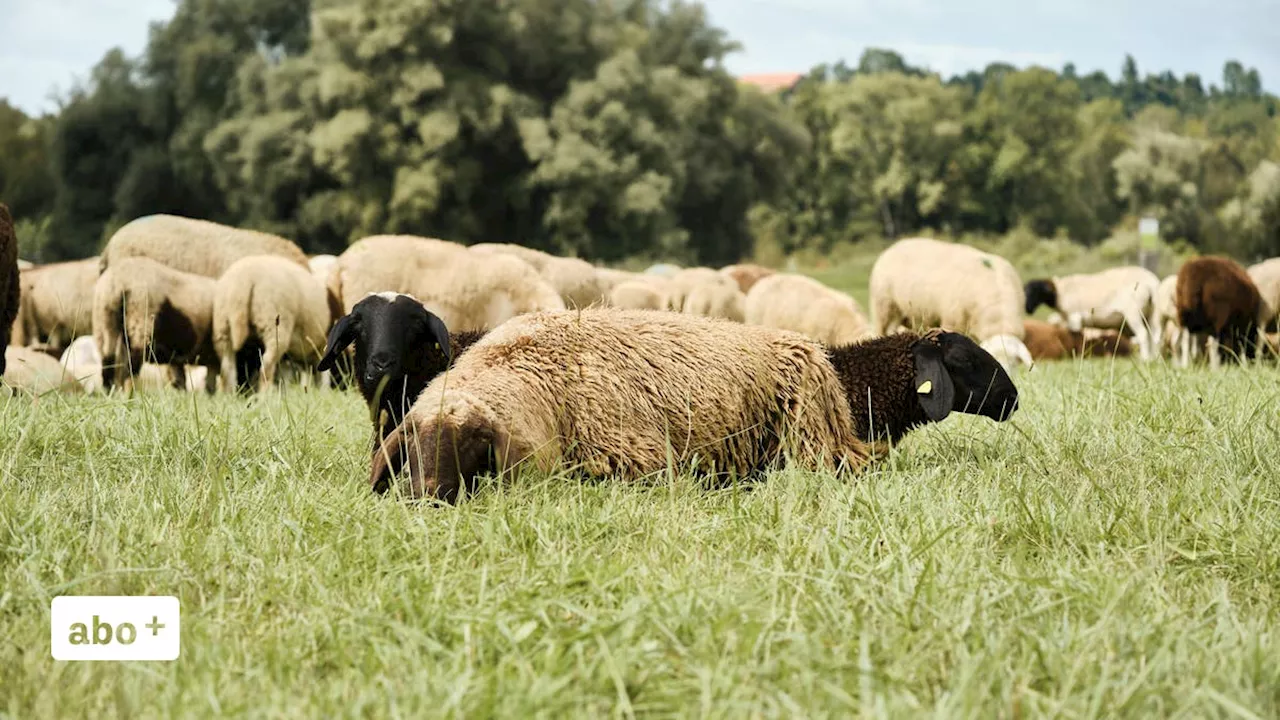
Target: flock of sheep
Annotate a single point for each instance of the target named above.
(553, 361)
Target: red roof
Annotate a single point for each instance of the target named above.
(772, 82)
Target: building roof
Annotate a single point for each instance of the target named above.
(772, 82)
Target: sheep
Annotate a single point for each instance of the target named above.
(10, 281)
(267, 304)
(720, 301)
(925, 283)
(1047, 341)
(25, 265)
(145, 310)
(399, 347)
(466, 290)
(1093, 342)
(193, 246)
(626, 393)
(320, 265)
(746, 275)
(804, 305)
(57, 304)
(1266, 277)
(638, 295)
(1121, 297)
(1217, 299)
(576, 280)
(30, 371)
(678, 285)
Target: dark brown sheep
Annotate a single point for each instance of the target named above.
(1216, 298)
(1107, 343)
(10, 284)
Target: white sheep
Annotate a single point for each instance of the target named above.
(717, 301)
(31, 371)
(194, 246)
(576, 280)
(468, 291)
(679, 284)
(801, 304)
(1266, 275)
(923, 282)
(638, 295)
(1113, 299)
(1165, 314)
(143, 310)
(83, 362)
(268, 303)
(56, 305)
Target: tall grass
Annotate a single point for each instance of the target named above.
(1111, 551)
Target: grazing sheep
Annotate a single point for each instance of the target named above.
(610, 278)
(678, 286)
(399, 347)
(576, 280)
(1165, 314)
(804, 305)
(638, 295)
(143, 310)
(616, 392)
(321, 265)
(1047, 341)
(57, 304)
(468, 291)
(193, 246)
(717, 301)
(10, 282)
(922, 282)
(1217, 299)
(267, 306)
(746, 275)
(1266, 277)
(34, 372)
(1121, 297)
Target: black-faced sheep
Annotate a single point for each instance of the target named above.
(1217, 299)
(270, 306)
(400, 346)
(57, 304)
(193, 246)
(143, 310)
(1121, 297)
(616, 392)
(10, 282)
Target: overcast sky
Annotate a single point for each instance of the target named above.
(49, 43)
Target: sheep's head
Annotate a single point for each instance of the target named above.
(1040, 292)
(399, 344)
(954, 374)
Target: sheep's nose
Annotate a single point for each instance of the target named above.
(379, 363)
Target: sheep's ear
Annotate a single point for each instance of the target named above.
(933, 383)
(440, 334)
(340, 338)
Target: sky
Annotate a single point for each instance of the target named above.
(49, 44)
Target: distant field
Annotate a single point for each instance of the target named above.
(1112, 551)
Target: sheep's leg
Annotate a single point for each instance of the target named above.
(1185, 355)
(270, 362)
(178, 376)
(1211, 348)
(1141, 333)
(228, 362)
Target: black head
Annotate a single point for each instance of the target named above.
(400, 345)
(954, 374)
(1040, 292)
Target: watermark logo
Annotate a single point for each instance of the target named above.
(115, 627)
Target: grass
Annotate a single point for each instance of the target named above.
(1112, 551)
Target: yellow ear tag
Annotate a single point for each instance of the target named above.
(926, 388)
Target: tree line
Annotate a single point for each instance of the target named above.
(610, 129)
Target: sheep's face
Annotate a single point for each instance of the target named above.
(1040, 292)
(398, 343)
(954, 374)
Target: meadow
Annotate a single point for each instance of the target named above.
(1112, 551)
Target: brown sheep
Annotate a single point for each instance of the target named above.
(1216, 298)
(629, 393)
(1046, 341)
(10, 283)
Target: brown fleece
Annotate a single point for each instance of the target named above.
(1216, 296)
(628, 393)
(1046, 341)
(10, 282)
